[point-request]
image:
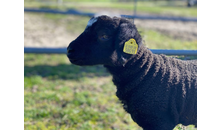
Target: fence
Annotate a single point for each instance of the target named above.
(64, 51)
(76, 12)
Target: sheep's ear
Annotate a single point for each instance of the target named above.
(127, 32)
(124, 34)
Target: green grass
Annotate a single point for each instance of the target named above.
(61, 96)
(142, 7)
(58, 95)
(149, 7)
(157, 40)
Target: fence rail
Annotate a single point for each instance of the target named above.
(64, 51)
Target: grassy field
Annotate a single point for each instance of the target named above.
(61, 96)
(146, 7)
(161, 8)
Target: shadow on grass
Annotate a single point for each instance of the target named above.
(65, 71)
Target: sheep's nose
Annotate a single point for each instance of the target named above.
(70, 50)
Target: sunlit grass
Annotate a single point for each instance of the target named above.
(142, 7)
(61, 96)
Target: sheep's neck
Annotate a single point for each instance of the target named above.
(130, 76)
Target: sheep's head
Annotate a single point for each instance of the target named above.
(103, 41)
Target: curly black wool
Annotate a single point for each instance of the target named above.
(158, 91)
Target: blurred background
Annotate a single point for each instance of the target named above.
(61, 96)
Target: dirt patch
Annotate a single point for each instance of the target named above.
(186, 31)
(41, 32)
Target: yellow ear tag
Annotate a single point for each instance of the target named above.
(130, 46)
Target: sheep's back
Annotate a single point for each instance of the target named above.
(181, 83)
(159, 83)
(169, 86)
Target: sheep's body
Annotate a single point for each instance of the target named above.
(158, 91)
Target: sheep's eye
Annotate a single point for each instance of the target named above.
(104, 37)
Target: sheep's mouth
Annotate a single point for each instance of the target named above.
(77, 61)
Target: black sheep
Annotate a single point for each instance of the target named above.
(158, 91)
